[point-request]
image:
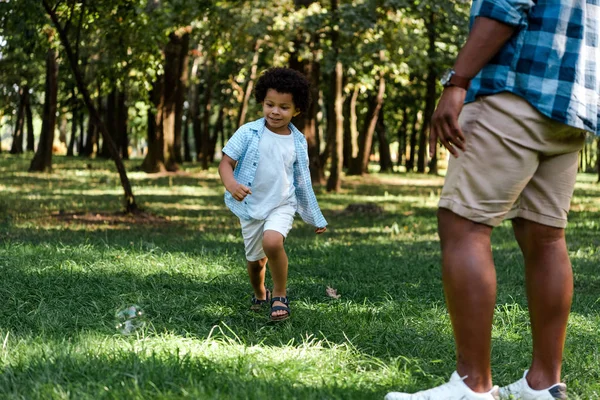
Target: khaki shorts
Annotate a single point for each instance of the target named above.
(518, 163)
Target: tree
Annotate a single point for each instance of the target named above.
(18, 134)
(361, 163)
(167, 97)
(130, 204)
(311, 68)
(334, 182)
(42, 161)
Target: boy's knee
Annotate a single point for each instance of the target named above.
(272, 241)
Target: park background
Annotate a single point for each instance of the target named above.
(112, 116)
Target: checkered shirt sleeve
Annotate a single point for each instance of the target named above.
(308, 208)
(510, 12)
(552, 60)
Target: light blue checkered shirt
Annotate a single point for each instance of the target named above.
(552, 61)
(243, 147)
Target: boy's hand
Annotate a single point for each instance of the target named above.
(318, 231)
(239, 192)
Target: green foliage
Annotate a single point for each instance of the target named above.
(69, 263)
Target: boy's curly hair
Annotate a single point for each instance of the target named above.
(284, 80)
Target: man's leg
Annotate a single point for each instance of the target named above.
(549, 281)
(470, 287)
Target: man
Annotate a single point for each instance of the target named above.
(535, 92)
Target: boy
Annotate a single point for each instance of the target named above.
(265, 173)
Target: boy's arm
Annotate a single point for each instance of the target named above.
(237, 190)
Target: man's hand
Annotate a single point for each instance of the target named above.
(239, 191)
(444, 122)
(318, 231)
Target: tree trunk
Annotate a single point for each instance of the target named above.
(430, 97)
(410, 163)
(402, 137)
(74, 121)
(91, 138)
(218, 132)
(330, 123)
(385, 157)
(204, 156)
(347, 133)
(180, 92)
(307, 122)
(122, 117)
(337, 155)
(29, 118)
(350, 131)
(187, 152)
(165, 97)
(81, 133)
(154, 160)
(18, 134)
(62, 126)
(130, 204)
(111, 122)
(249, 85)
(360, 164)
(195, 108)
(42, 160)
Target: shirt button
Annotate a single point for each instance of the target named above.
(254, 164)
(249, 183)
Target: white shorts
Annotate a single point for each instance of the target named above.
(279, 220)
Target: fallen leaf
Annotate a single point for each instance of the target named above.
(331, 292)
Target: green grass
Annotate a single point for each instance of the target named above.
(65, 276)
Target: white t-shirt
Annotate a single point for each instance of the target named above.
(273, 184)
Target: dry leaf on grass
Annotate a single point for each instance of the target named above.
(331, 292)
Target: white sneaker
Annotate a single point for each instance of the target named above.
(455, 389)
(520, 390)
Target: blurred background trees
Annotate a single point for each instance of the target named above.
(171, 80)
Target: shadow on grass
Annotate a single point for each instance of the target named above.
(131, 375)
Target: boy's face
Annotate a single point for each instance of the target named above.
(279, 109)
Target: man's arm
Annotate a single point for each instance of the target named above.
(485, 40)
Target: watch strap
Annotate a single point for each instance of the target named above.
(460, 81)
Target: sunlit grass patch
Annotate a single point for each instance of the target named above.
(70, 260)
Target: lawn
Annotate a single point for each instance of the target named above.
(69, 263)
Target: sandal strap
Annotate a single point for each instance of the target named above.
(266, 300)
(283, 300)
(280, 308)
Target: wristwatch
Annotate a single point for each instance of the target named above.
(449, 78)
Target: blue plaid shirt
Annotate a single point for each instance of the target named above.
(243, 147)
(552, 60)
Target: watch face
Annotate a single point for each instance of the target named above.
(445, 79)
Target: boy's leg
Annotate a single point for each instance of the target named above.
(278, 265)
(255, 256)
(277, 225)
(256, 272)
